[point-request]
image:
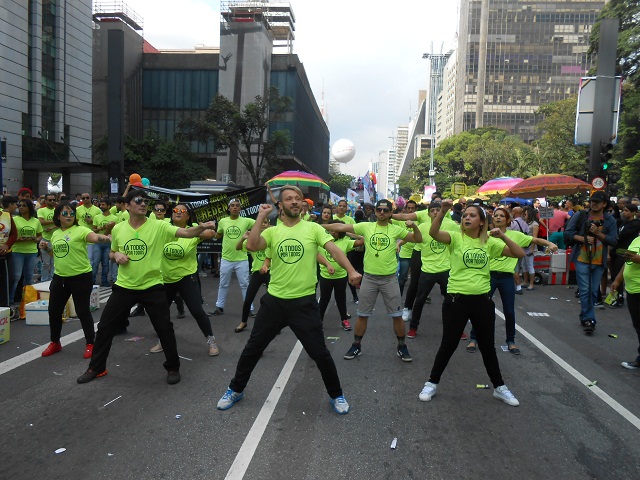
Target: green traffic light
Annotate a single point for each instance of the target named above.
(605, 166)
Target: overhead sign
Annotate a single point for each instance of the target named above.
(584, 112)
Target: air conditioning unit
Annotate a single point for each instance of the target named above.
(226, 177)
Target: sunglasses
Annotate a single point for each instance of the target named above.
(383, 210)
(179, 210)
(141, 201)
(86, 198)
(67, 213)
(159, 210)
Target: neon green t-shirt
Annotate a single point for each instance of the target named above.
(346, 219)
(258, 257)
(380, 246)
(346, 245)
(469, 274)
(121, 215)
(144, 248)
(508, 264)
(434, 255)
(26, 228)
(179, 259)
(47, 214)
(632, 270)
(422, 217)
(294, 262)
(100, 221)
(233, 230)
(70, 251)
(83, 212)
(407, 248)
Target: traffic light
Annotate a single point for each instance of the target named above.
(605, 154)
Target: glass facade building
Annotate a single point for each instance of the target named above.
(536, 54)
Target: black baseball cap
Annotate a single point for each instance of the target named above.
(384, 203)
(599, 197)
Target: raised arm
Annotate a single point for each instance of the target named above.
(441, 236)
(255, 242)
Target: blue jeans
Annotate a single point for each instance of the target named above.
(503, 282)
(403, 271)
(47, 265)
(23, 265)
(100, 255)
(226, 270)
(588, 274)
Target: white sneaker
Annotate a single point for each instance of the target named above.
(406, 314)
(213, 348)
(428, 391)
(503, 393)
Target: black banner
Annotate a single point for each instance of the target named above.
(206, 207)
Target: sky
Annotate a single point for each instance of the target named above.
(363, 58)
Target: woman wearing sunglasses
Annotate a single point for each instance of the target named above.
(180, 274)
(25, 249)
(73, 275)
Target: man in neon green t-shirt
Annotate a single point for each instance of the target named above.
(45, 215)
(136, 246)
(342, 213)
(85, 213)
(290, 300)
(380, 267)
(231, 229)
(103, 223)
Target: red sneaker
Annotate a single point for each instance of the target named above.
(346, 325)
(88, 351)
(412, 333)
(464, 336)
(54, 347)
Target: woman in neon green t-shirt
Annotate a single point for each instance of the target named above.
(471, 250)
(73, 275)
(25, 249)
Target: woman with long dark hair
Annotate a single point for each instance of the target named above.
(24, 252)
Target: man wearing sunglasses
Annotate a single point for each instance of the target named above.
(85, 213)
(137, 246)
(380, 267)
(45, 215)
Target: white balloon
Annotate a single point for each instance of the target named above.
(343, 150)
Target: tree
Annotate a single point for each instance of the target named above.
(169, 164)
(339, 183)
(245, 131)
(556, 150)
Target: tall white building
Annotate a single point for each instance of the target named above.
(45, 49)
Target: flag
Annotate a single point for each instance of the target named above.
(352, 197)
(334, 198)
(367, 197)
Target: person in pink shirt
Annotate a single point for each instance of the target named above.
(555, 225)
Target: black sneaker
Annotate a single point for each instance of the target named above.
(428, 301)
(173, 377)
(137, 311)
(616, 304)
(588, 327)
(89, 375)
(519, 292)
(631, 365)
(217, 311)
(403, 353)
(353, 352)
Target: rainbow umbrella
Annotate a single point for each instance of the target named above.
(299, 179)
(498, 186)
(550, 185)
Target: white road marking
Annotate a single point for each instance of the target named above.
(626, 414)
(251, 441)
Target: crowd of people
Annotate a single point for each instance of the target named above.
(469, 248)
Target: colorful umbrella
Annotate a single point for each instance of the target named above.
(549, 185)
(299, 179)
(498, 186)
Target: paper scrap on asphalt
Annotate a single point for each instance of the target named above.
(592, 384)
(61, 450)
(537, 314)
(394, 443)
(553, 298)
(108, 403)
(185, 358)
(613, 335)
(333, 338)
(133, 339)
(504, 348)
(178, 417)
(56, 373)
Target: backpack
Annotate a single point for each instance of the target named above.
(582, 216)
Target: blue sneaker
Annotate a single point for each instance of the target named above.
(229, 398)
(340, 404)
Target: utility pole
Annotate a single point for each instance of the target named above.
(603, 104)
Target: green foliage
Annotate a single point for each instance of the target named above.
(245, 131)
(164, 163)
(339, 183)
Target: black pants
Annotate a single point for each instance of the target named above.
(189, 289)
(357, 261)
(416, 269)
(5, 279)
(303, 317)
(114, 318)
(617, 261)
(425, 284)
(339, 287)
(456, 310)
(60, 289)
(255, 282)
(633, 304)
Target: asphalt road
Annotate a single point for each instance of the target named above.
(131, 425)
